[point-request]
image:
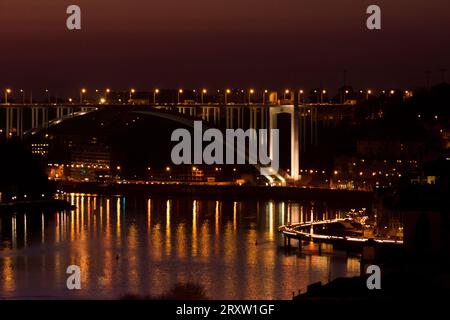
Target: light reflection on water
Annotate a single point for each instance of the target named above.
(144, 246)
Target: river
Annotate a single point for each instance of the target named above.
(143, 246)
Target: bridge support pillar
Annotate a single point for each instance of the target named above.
(14, 120)
(295, 158)
(240, 117)
(19, 122)
(39, 117)
(216, 112)
(206, 114)
(253, 115)
(229, 117)
(61, 113)
(44, 116)
(9, 120)
(34, 118)
(264, 123)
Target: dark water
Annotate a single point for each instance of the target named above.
(231, 248)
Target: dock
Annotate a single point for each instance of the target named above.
(298, 232)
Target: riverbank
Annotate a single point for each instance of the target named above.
(343, 197)
(36, 205)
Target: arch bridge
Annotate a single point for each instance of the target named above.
(24, 120)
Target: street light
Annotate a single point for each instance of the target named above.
(300, 96)
(227, 92)
(82, 92)
(286, 92)
(369, 92)
(322, 94)
(132, 91)
(180, 92)
(155, 92)
(407, 94)
(346, 92)
(265, 92)
(250, 95)
(48, 95)
(107, 92)
(23, 95)
(7, 91)
(204, 91)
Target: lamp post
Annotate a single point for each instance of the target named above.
(107, 92)
(345, 95)
(407, 94)
(180, 92)
(23, 95)
(227, 92)
(82, 92)
(155, 92)
(286, 92)
(300, 94)
(264, 96)
(369, 92)
(48, 95)
(204, 91)
(250, 93)
(324, 92)
(7, 91)
(132, 91)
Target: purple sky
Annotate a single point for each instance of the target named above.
(218, 43)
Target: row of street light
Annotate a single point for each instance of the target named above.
(287, 94)
(180, 92)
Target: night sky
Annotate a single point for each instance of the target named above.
(218, 43)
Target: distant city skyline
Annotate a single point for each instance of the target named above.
(222, 44)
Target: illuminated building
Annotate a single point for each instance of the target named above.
(39, 148)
